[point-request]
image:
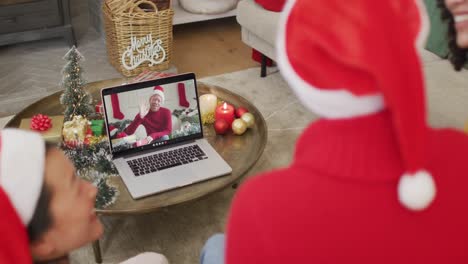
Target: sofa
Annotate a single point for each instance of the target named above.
(259, 28)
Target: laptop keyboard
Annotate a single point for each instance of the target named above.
(166, 160)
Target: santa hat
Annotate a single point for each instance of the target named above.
(22, 163)
(14, 242)
(350, 60)
(159, 91)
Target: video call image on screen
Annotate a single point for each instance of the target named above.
(152, 115)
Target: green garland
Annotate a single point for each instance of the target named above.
(93, 163)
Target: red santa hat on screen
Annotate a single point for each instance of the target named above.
(158, 90)
(351, 60)
(22, 163)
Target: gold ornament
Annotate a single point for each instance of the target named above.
(239, 126)
(249, 119)
(75, 129)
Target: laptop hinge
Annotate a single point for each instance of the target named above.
(144, 152)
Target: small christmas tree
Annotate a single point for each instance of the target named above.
(74, 98)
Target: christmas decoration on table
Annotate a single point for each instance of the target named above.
(239, 126)
(74, 98)
(52, 134)
(249, 119)
(208, 103)
(107, 194)
(97, 126)
(93, 163)
(240, 111)
(75, 129)
(225, 111)
(221, 127)
(226, 114)
(41, 122)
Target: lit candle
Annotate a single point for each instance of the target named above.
(226, 112)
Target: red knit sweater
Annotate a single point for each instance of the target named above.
(337, 202)
(157, 124)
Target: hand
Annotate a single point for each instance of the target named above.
(144, 109)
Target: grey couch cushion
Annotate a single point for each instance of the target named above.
(259, 21)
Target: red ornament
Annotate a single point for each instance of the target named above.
(240, 111)
(221, 126)
(41, 122)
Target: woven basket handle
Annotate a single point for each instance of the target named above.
(136, 6)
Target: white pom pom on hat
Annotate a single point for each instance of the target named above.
(342, 77)
(22, 164)
(416, 191)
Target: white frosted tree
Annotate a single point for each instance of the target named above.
(74, 98)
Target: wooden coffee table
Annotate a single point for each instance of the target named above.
(241, 152)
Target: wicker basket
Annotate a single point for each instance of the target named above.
(138, 36)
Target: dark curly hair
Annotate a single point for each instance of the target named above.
(457, 55)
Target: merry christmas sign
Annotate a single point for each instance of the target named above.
(141, 50)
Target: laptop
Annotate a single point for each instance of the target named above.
(156, 135)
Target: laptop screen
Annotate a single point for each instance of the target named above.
(152, 114)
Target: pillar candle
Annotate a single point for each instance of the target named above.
(208, 104)
(225, 111)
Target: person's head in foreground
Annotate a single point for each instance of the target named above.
(52, 203)
(455, 13)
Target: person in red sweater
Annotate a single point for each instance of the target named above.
(370, 181)
(155, 118)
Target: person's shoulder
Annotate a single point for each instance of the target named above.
(266, 187)
(448, 150)
(165, 110)
(448, 140)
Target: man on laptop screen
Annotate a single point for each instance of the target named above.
(154, 118)
(155, 112)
